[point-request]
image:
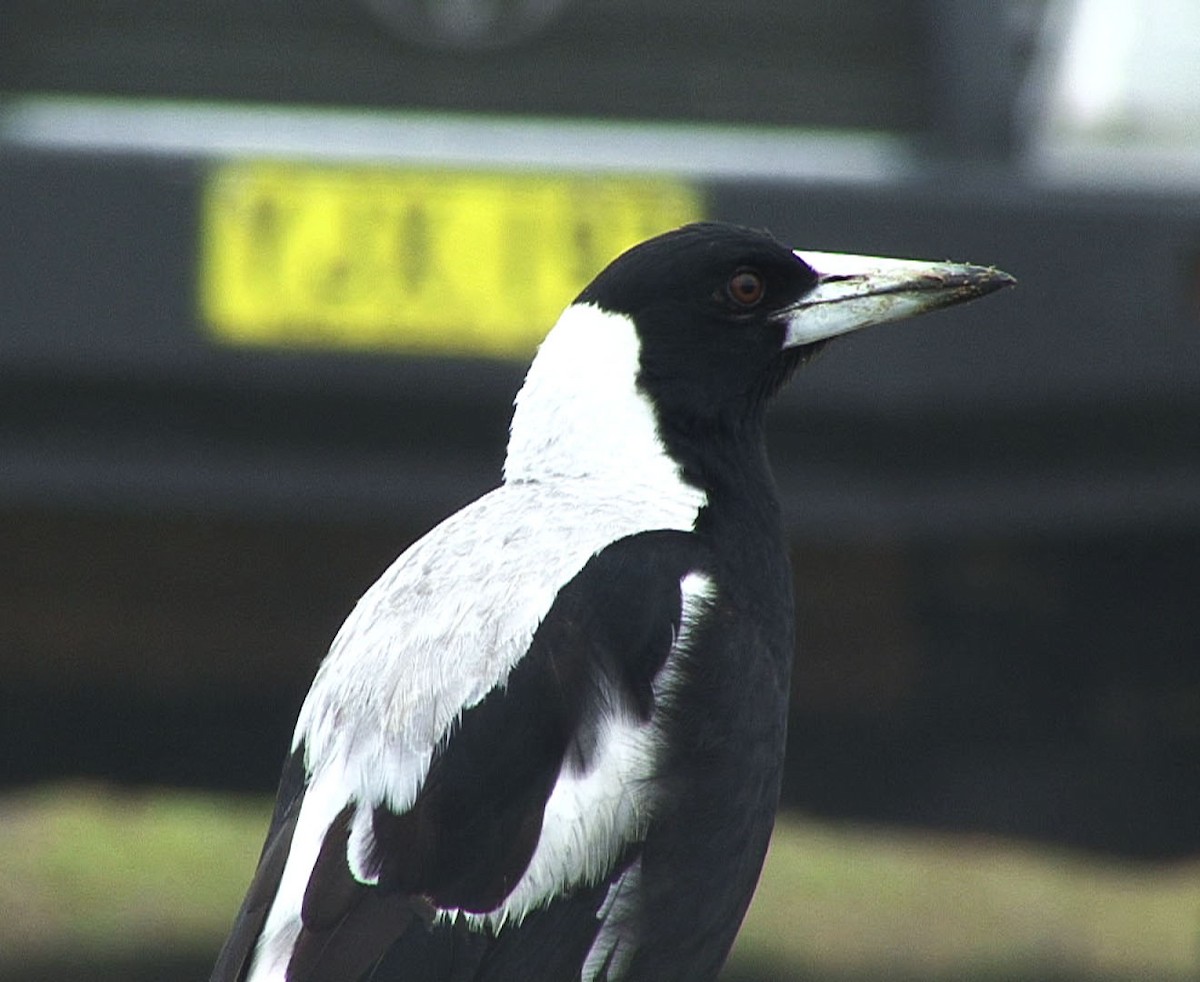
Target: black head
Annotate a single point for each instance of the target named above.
(685, 337)
(710, 303)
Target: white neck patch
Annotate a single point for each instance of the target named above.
(580, 412)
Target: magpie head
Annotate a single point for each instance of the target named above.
(709, 303)
(725, 314)
(688, 334)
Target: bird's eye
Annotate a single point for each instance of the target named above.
(746, 287)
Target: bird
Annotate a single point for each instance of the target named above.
(546, 744)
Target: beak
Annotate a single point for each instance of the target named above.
(858, 291)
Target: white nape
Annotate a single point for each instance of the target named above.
(580, 413)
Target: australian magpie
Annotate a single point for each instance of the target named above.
(546, 744)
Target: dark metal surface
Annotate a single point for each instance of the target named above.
(1064, 404)
(854, 63)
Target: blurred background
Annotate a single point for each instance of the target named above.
(269, 277)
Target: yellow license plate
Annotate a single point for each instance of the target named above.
(440, 262)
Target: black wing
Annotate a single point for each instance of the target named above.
(469, 836)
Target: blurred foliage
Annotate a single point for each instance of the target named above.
(108, 874)
(97, 883)
(841, 902)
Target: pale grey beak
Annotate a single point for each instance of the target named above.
(858, 291)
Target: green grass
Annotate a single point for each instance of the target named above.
(844, 901)
(107, 873)
(89, 875)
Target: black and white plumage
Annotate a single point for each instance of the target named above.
(546, 745)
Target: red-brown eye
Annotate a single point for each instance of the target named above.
(746, 287)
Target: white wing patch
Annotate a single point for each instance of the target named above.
(591, 817)
(588, 820)
(697, 593)
(617, 939)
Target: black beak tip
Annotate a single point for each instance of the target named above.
(989, 279)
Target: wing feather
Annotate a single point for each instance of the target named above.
(531, 805)
(236, 953)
